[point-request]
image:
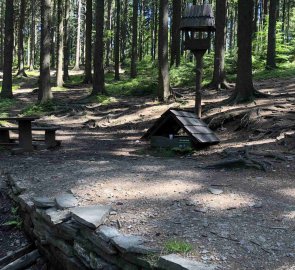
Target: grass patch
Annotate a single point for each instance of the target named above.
(283, 71)
(177, 246)
(41, 109)
(101, 99)
(5, 106)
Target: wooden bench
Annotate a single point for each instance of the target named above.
(50, 141)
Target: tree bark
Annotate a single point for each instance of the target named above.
(98, 78)
(32, 34)
(175, 42)
(8, 51)
(117, 41)
(88, 49)
(45, 93)
(163, 79)
(2, 35)
(271, 47)
(218, 80)
(60, 44)
(124, 30)
(245, 90)
(66, 52)
(109, 27)
(78, 38)
(134, 54)
(21, 59)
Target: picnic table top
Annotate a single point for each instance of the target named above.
(18, 118)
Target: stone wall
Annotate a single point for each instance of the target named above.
(72, 237)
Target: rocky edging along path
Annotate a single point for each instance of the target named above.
(72, 237)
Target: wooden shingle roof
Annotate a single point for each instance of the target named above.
(173, 120)
(198, 17)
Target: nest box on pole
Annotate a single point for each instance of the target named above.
(198, 24)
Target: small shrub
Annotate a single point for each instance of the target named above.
(177, 246)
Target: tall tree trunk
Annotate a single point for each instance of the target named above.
(60, 44)
(45, 93)
(98, 78)
(32, 36)
(88, 49)
(124, 29)
(21, 57)
(78, 39)
(245, 90)
(66, 53)
(163, 80)
(8, 51)
(175, 43)
(2, 11)
(141, 29)
(156, 30)
(218, 80)
(117, 41)
(134, 55)
(109, 27)
(53, 33)
(271, 47)
(255, 21)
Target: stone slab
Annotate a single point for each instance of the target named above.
(131, 244)
(66, 200)
(44, 202)
(107, 233)
(176, 262)
(91, 216)
(53, 216)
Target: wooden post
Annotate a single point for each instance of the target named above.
(199, 54)
(25, 135)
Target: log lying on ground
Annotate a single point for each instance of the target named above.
(23, 262)
(15, 255)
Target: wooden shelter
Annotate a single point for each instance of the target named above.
(181, 128)
(198, 18)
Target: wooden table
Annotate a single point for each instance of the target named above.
(25, 131)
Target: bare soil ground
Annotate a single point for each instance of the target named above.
(250, 225)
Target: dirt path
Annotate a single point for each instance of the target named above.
(250, 225)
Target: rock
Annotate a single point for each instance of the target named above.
(66, 200)
(56, 217)
(91, 216)
(43, 202)
(107, 233)
(175, 262)
(132, 244)
(215, 191)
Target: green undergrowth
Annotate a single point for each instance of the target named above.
(177, 246)
(5, 106)
(101, 99)
(41, 109)
(283, 71)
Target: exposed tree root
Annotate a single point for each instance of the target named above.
(245, 159)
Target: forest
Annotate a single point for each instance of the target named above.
(115, 36)
(147, 134)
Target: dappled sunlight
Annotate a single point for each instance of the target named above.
(104, 191)
(224, 201)
(290, 215)
(287, 192)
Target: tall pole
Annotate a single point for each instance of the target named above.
(199, 54)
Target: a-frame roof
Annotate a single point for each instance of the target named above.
(174, 120)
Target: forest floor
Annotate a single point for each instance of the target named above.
(236, 214)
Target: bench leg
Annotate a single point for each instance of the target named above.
(50, 141)
(4, 136)
(25, 136)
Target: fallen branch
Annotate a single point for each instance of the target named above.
(15, 255)
(23, 262)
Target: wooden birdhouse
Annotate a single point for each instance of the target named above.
(197, 23)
